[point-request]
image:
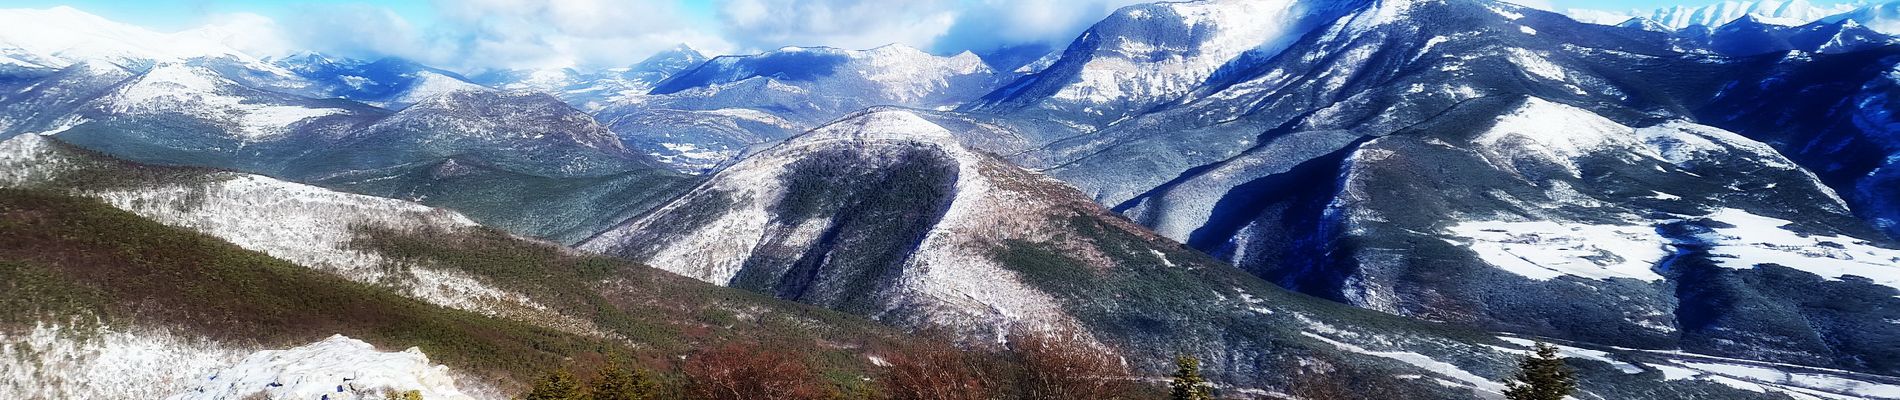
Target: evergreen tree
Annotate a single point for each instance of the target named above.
(559, 385)
(621, 383)
(1188, 384)
(1542, 376)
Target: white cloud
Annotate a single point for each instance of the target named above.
(360, 31)
(476, 35)
(855, 24)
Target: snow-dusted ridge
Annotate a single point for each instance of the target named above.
(305, 225)
(125, 362)
(949, 271)
(337, 368)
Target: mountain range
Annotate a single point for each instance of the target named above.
(1695, 203)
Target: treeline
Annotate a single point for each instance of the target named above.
(1060, 366)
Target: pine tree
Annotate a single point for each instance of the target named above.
(621, 383)
(1188, 384)
(559, 385)
(1542, 376)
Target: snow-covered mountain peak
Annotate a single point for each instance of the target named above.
(671, 61)
(1773, 12)
(1148, 54)
(59, 36)
(1644, 23)
(879, 124)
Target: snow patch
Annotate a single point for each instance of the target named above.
(1753, 239)
(1422, 361)
(336, 368)
(1545, 250)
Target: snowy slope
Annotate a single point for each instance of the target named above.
(100, 362)
(306, 225)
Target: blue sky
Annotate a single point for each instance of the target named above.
(479, 34)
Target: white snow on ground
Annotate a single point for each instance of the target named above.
(104, 362)
(1545, 250)
(1546, 132)
(58, 362)
(1574, 352)
(1552, 132)
(1536, 64)
(1422, 361)
(1755, 240)
(338, 368)
(1800, 385)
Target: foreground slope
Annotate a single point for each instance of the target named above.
(885, 214)
(245, 263)
(522, 161)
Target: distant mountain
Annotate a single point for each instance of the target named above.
(1147, 55)
(594, 90)
(48, 102)
(485, 152)
(388, 82)
(1773, 12)
(713, 112)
